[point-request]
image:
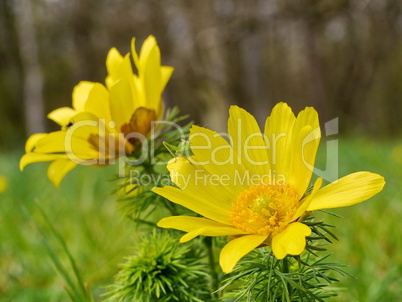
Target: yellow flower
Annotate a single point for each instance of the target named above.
(3, 183)
(255, 188)
(104, 123)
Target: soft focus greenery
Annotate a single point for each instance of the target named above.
(162, 269)
(369, 233)
(99, 238)
(81, 210)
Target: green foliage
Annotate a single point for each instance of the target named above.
(136, 199)
(83, 213)
(261, 277)
(76, 288)
(161, 269)
(169, 132)
(182, 149)
(321, 235)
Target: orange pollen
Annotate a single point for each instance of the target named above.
(264, 209)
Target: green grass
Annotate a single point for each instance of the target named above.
(370, 233)
(81, 210)
(84, 213)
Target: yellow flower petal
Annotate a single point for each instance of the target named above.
(278, 135)
(215, 155)
(179, 167)
(53, 142)
(305, 140)
(58, 169)
(84, 116)
(290, 241)
(113, 61)
(118, 67)
(83, 142)
(210, 149)
(62, 116)
(98, 102)
(195, 202)
(192, 178)
(134, 53)
(248, 144)
(189, 223)
(146, 52)
(80, 94)
(196, 226)
(166, 75)
(305, 203)
(151, 75)
(211, 231)
(32, 140)
(121, 102)
(236, 249)
(347, 191)
(30, 158)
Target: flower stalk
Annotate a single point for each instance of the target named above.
(208, 241)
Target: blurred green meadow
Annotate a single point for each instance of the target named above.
(369, 233)
(84, 212)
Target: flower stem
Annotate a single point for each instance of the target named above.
(211, 259)
(286, 271)
(285, 265)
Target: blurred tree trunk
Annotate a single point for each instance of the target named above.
(215, 70)
(316, 73)
(32, 75)
(251, 56)
(82, 27)
(11, 116)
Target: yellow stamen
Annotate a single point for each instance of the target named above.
(264, 209)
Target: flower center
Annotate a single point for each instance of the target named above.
(140, 123)
(264, 209)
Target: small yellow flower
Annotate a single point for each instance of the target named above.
(255, 188)
(3, 183)
(104, 123)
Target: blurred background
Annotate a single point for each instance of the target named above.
(344, 57)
